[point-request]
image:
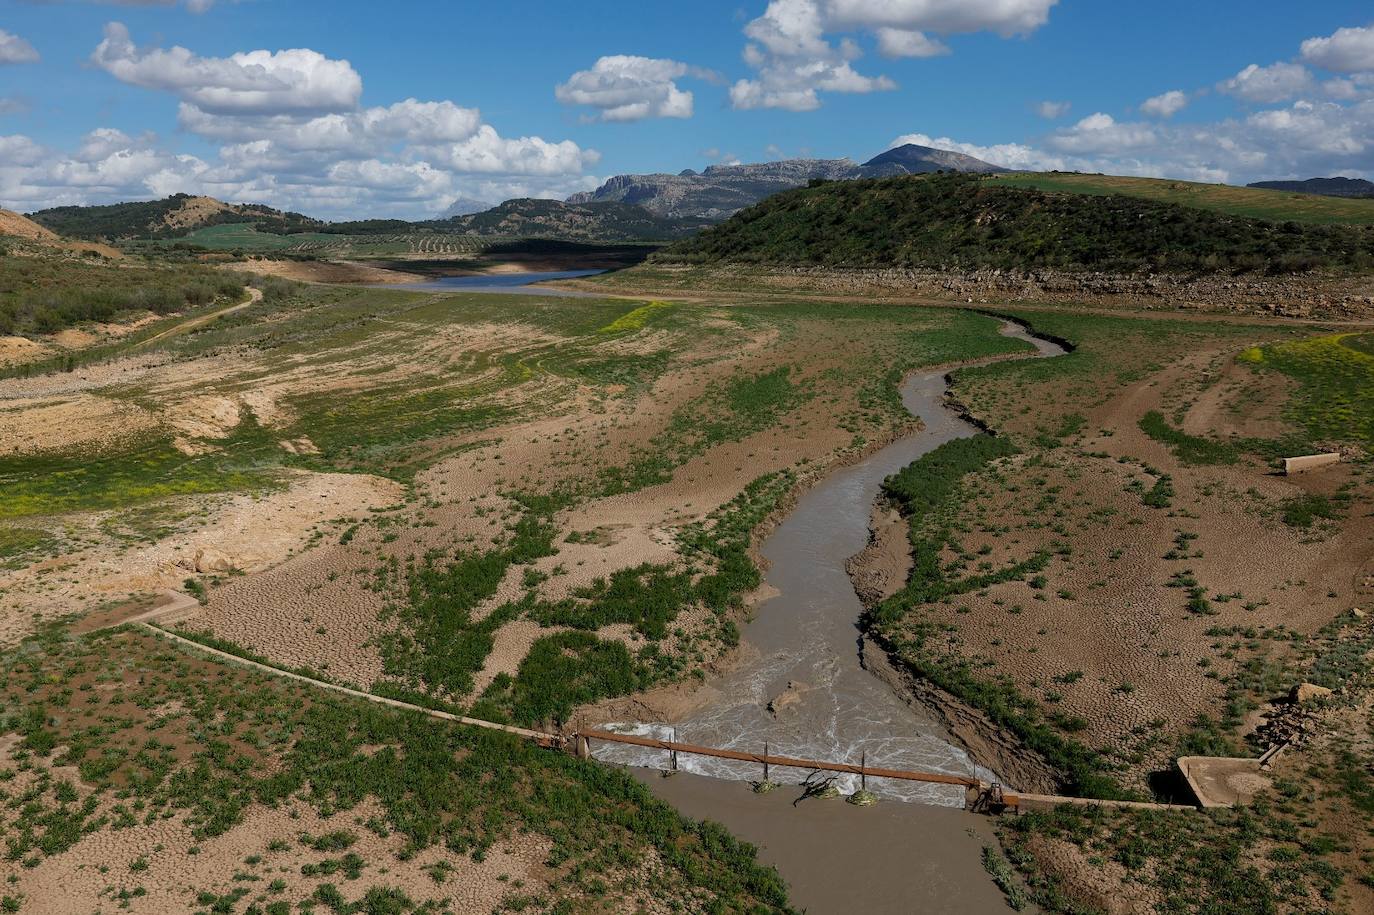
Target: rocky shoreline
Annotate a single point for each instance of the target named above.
(1312, 296)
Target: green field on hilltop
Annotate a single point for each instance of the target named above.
(1256, 203)
(245, 236)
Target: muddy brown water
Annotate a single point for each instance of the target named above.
(805, 641)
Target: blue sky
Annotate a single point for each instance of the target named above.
(347, 108)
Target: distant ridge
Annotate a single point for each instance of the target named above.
(720, 191)
(1325, 187)
(466, 206)
(911, 159)
(599, 220)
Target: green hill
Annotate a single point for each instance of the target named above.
(172, 216)
(599, 220)
(1258, 203)
(206, 222)
(962, 222)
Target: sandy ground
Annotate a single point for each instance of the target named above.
(1109, 639)
(12, 223)
(92, 875)
(14, 350)
(34, 424)
(242, 533)
(332, 623)
(838, 858)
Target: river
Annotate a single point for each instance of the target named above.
(805, 640)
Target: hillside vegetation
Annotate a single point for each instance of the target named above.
(166, 218)
(601, 220)
(1255, 202)
(961, 222)
(256, 227)
(43, 295)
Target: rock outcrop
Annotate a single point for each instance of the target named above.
(1299, 296)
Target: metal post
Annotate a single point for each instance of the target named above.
(863, 775)
(673, 758)
(765, 762)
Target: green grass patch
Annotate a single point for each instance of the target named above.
(19, 544)
(561, 672)
(1306, 510)
(1212, 861)
(636, 319)
(153, 469)
(1190, 449)
(1335, 375)
(440, 647)
(729, 412)
(1256, 203)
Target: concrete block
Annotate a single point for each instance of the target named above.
(1309, 462)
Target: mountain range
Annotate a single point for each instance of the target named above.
(626, 208)
(1325, 187)
(722, 190)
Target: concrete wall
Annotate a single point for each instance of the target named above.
(1309, 462)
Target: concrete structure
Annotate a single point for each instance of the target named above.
(1221, 781)
(1309, 462)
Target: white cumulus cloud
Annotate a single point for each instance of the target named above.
(1266, 85)
(1052, 111)
(1099, 133)
(909, 43)
(1348, 50)
(292, 133)
(624, 87)
(945, 17)
(1301, 139)
(488, 152)
(796, 59)
(1165, 105)
(15, 50)
(249, 82)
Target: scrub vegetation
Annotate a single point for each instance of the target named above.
(963, 222)
(41, 295)
(162, 737)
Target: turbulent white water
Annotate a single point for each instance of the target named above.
(808, 636)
